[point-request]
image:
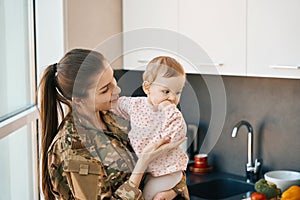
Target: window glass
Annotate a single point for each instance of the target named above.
(18, 154)
(15, 83)
(16, 164)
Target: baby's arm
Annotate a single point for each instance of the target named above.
(123, 108)
(173, 123)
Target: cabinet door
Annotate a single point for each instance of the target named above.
(140, 45)
(273, 38)
(219, 28)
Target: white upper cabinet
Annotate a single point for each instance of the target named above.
(140, 45)
(150, 14)
(228, 37)
(273, 38)
(211, 35)
(219, 28)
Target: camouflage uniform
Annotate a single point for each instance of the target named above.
(85, 163)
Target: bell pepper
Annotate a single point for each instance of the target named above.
(267, 188)
(292, 193)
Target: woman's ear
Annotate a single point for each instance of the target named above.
(146, 87)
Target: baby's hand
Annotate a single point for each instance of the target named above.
(163, 104)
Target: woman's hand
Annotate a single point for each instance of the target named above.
(165, 195)
(151, 152)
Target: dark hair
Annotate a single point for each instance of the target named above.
(59, 82)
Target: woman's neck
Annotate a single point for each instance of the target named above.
(94, 120)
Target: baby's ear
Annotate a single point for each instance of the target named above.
(146, 87)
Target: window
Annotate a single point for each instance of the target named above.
(15, 57)
(18, 113)
(17, 172)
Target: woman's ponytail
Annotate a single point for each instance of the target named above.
(49, 121)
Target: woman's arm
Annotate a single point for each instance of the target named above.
(151, 152)
(179, 190)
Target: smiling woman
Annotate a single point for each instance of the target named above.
(87, 154)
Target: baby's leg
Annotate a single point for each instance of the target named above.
(158, 184)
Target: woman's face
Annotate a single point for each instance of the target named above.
(106, 94)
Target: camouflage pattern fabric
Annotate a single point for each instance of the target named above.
(86, 163)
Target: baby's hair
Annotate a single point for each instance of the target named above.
(164, 65)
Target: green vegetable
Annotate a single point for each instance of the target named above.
(267, 188)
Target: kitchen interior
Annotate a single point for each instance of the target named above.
(249, 70)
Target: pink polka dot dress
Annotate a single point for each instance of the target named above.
(148, 126)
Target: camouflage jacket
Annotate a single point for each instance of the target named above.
(85, 163)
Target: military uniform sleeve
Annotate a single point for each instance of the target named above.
(60, 187)
(181, 189)
(80, 178)
(129, 192)
(74, 174)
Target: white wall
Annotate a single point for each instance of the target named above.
(49, 32)
(91, 23)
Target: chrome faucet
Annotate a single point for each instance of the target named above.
(253, 170)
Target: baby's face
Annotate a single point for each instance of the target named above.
(166, 89)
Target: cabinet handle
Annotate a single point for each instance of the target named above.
(219, 64)
(285, 66)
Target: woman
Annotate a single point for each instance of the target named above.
(87, 154)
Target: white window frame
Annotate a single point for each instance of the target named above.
(30, 114)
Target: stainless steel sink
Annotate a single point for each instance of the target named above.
(219, 188)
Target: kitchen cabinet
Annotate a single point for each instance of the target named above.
(210, 34)
(235, 37)
(273, 38)
(140, 46)
(219, 28)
